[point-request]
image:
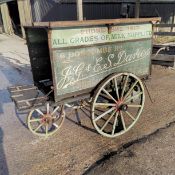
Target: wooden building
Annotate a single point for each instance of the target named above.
(17, 13)
(53, 10)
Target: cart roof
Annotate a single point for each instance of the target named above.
(93, 22)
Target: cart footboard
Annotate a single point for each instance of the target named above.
(27, 96)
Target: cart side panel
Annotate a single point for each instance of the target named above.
(37, 41)
(90, 65)
(77, 69)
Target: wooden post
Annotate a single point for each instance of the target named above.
(80, 10)
(7, 23)
(172, 21)
(25, 14)
(137, 9)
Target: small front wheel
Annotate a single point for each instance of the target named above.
(117, 104)
(46, 121)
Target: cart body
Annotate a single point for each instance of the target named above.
(72, 61)
(74, 57)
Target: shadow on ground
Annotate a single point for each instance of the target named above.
(3, 163)
(11, 74)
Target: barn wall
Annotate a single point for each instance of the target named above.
(44, 10)
(52, 10)
(102, 10)
(163, 10)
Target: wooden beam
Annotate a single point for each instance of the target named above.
(137, 9)
(80, 10)
(94, 22)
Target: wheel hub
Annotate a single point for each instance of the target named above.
(46, 119)
(123, 107)
(120, 106)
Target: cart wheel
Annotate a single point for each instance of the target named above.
(117, 104)
(45, 122)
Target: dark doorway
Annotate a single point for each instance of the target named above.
(14, 15)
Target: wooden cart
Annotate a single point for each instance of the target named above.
(100, 60)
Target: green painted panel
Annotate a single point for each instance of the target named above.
(82, 68)
(95, 35)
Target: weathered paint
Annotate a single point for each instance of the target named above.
(121, 48)
(76, 69)
(95, 35)
(83, 68)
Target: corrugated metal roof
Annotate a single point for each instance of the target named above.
(114, 1)
(3, 1)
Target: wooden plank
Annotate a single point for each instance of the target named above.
(95, 22)
(168, 58)
(163, 63)
(170, 44)
(165, 33)
(164, 25)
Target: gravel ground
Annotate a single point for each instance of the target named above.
(75, 148)
(151, 155)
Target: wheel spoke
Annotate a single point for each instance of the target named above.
(35, 120)
(134, 106)
(130, 90)
(123, 121)
(104, 96)
(55, 110)
(116, 88)
(115, 123)
(54, 117)
(47, 129)
(47, 108)
(38, 127)
(54, 124)
(102, 115)
(106, 123)
(107, 93)
(130, 115)
(39, 112)
(124, 87)
(129, 99)
(105, 104)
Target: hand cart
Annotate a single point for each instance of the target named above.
(100, 61)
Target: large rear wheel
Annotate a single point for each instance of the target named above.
(117, 104)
